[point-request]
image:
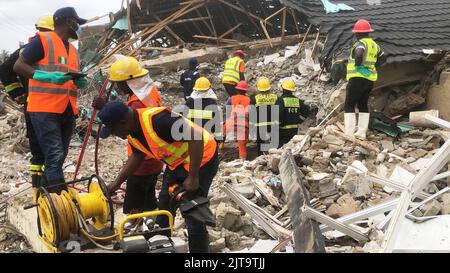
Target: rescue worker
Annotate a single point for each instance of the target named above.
(365, 56)
(293, 112)
(234, 72)
(131, 79)
(52, 94)
(203, 109)
(238, 122)
(17, 88)
(189, 152)
(189, 77)
(262, 105)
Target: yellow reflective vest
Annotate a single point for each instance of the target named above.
(231, 72)
(369, 60)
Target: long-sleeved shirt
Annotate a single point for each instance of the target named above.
(187, 80)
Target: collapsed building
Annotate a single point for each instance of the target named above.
(356, 190)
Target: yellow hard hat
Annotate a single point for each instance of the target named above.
(45, 22)
(288, 84)
(202, 84)
(263, 84)
(126, 68)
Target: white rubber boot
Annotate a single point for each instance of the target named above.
(363, 125)
(349, 123)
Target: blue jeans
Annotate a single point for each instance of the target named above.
(54, 132)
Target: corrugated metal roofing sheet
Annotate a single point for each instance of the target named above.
(403, 28)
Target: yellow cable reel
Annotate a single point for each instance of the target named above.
(58, 214)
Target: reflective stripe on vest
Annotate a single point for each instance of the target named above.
(13, 86)
(52, 98)
(265, 99)
(200, 114)
(291, 102)
(371, 50)
(231, 72)
(295, 126)
(173, 154)
(269, 123)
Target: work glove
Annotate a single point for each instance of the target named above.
(57, 78)
(98, 103)
(363, 70)
(81, 82)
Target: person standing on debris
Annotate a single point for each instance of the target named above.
(131, 79)
(237, 124)
(234, 72)
(293, 112)
(189, 151)
(52, 94)
(365, 56)
(203, 108)
(262, 105)
(17, 88)
(189, 77)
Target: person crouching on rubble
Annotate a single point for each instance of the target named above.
(189, 151)
(134, 81)
(203, 109)
(238, 122)
(365, 56)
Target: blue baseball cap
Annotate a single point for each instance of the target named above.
(193, 62)
(68, 12)
(110, 115)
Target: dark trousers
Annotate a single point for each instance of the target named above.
(230, 88)
(198, 235)
(358, 92)
(286, 135)
(54, 132)
(37, 157)
(140, 194)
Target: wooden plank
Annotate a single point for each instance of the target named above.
(283, 26)
(422, 179)
(292, 12)
(300, 48)
(275, 14)
(212, 23)
(243, 11)
(230, 31)
(361, 143)
(216, 39)
(266, 33)
(130, 29)
(307, 235)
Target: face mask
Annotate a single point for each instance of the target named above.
(141, 87)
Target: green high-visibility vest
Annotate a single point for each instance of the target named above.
(231, 73)
(369, 60)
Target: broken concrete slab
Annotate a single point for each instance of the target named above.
(246, 189)
(431, 236)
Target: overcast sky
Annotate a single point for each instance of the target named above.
(17, 17)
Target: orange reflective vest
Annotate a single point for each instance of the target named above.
(152, 100)
(239, 112)
(173, 154)
(48, 97)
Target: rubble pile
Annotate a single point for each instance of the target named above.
(337, 175)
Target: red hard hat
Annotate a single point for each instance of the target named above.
(362, 26)
(242, 85)
(239, 52)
